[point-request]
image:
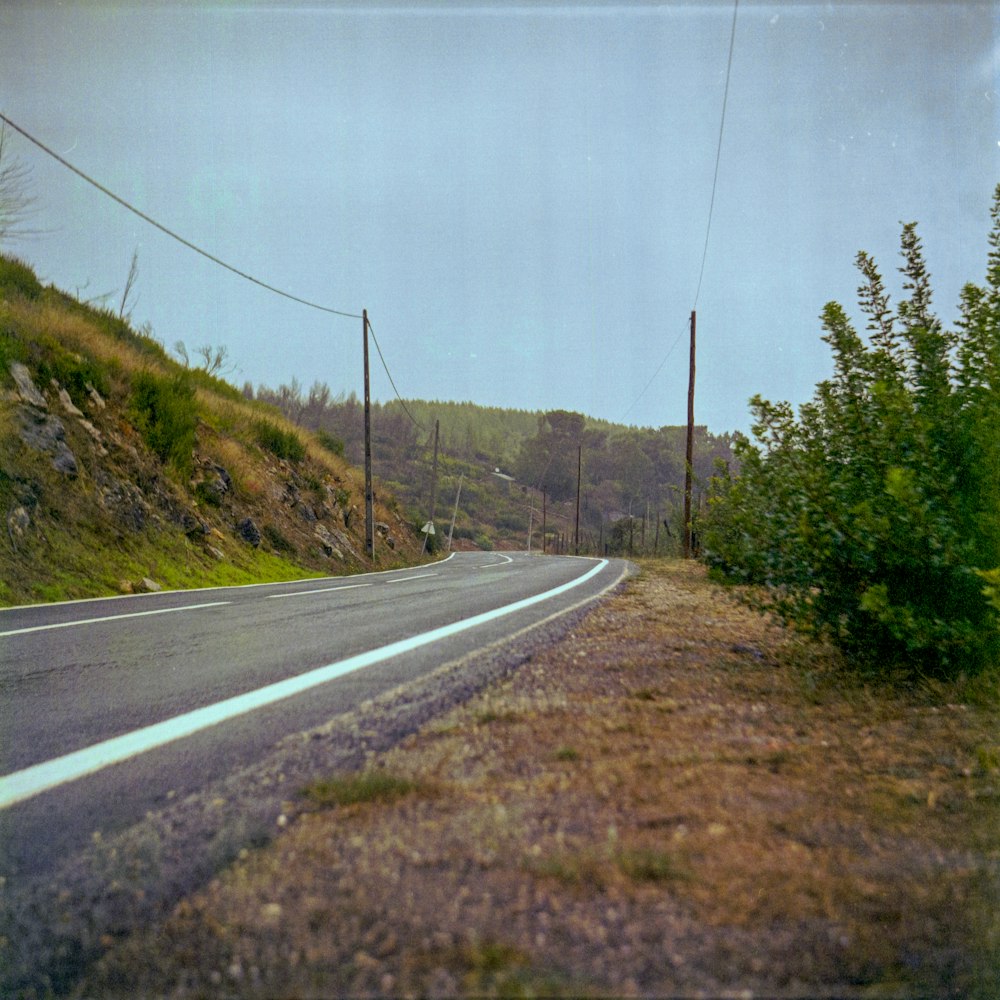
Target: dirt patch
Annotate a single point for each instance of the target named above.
(674, 800)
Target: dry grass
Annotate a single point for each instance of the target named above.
(675, 800)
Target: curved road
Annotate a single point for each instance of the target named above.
(109, 708)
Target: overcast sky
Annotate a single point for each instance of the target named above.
(518, 194)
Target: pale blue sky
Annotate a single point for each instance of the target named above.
(517, 194)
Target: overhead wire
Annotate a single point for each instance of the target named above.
(169, 232)
(711, 208)
(391, 381)
(204, 253)
(718, 150)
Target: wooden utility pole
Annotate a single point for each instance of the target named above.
(434, 479)
(579, 469)
(543, 522)
(434, 470)
(454, 515)
(369, 493)
(689, 457)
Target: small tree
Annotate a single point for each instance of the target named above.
(870, 516)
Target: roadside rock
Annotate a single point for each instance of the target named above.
(18, 522)
(26, 388)
(95, 398)
(249, 531)
(43, 432)
(64, 399)
(328, 542)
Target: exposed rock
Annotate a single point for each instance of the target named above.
(307, 513)
(214, 487)
(148, 586)
(382, 528)
(215, 553)
(328, 542)
(65, 462)
(337, 538)
(125, 502)
(26, 388)
(193, 526)
(44, 432)
(95, 397)
(64, 400)
(249, 531)
(18, 522)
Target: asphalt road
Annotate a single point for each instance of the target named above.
(111, 708)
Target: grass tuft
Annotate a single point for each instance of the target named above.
(357, 789)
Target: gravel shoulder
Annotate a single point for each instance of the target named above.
(677, 798)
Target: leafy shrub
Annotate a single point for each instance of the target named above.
(870, 516)
(12, 348)
(17, 278)
(281, 443)
(163, 408)
(331, 442)
(74, 373)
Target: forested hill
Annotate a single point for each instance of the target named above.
(631, 478)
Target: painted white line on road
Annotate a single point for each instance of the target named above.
(407, 579)
(38, 778)
(494, 565)
(319, 590)
(113, 618)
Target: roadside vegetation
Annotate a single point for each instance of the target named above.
(872, 517)
(123, 468)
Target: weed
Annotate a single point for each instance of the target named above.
(18, 278)
(355, 789)
(567, 754)
(332, 443)
(278, 541)
(585, 869)
(648, 865)
(281, 443)
(165, 414)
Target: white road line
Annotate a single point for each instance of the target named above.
(494, 565)
(319, 590)
(407, 579)
(113, 618)
(38, 778)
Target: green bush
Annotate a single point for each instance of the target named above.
(281, 443)
(333, 444)
(163, 408)
(869, 517)
(17, 278)
(74, 374)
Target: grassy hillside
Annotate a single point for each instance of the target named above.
(631, 490)
(122, 470)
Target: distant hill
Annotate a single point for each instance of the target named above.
(123, 470)
(632, 479)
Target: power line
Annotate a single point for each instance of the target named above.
(170, 232)
(391, 382)
(652, 377)
(718, 151)
(204, 253)
(711, 207)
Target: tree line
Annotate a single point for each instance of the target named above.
(631, 478)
